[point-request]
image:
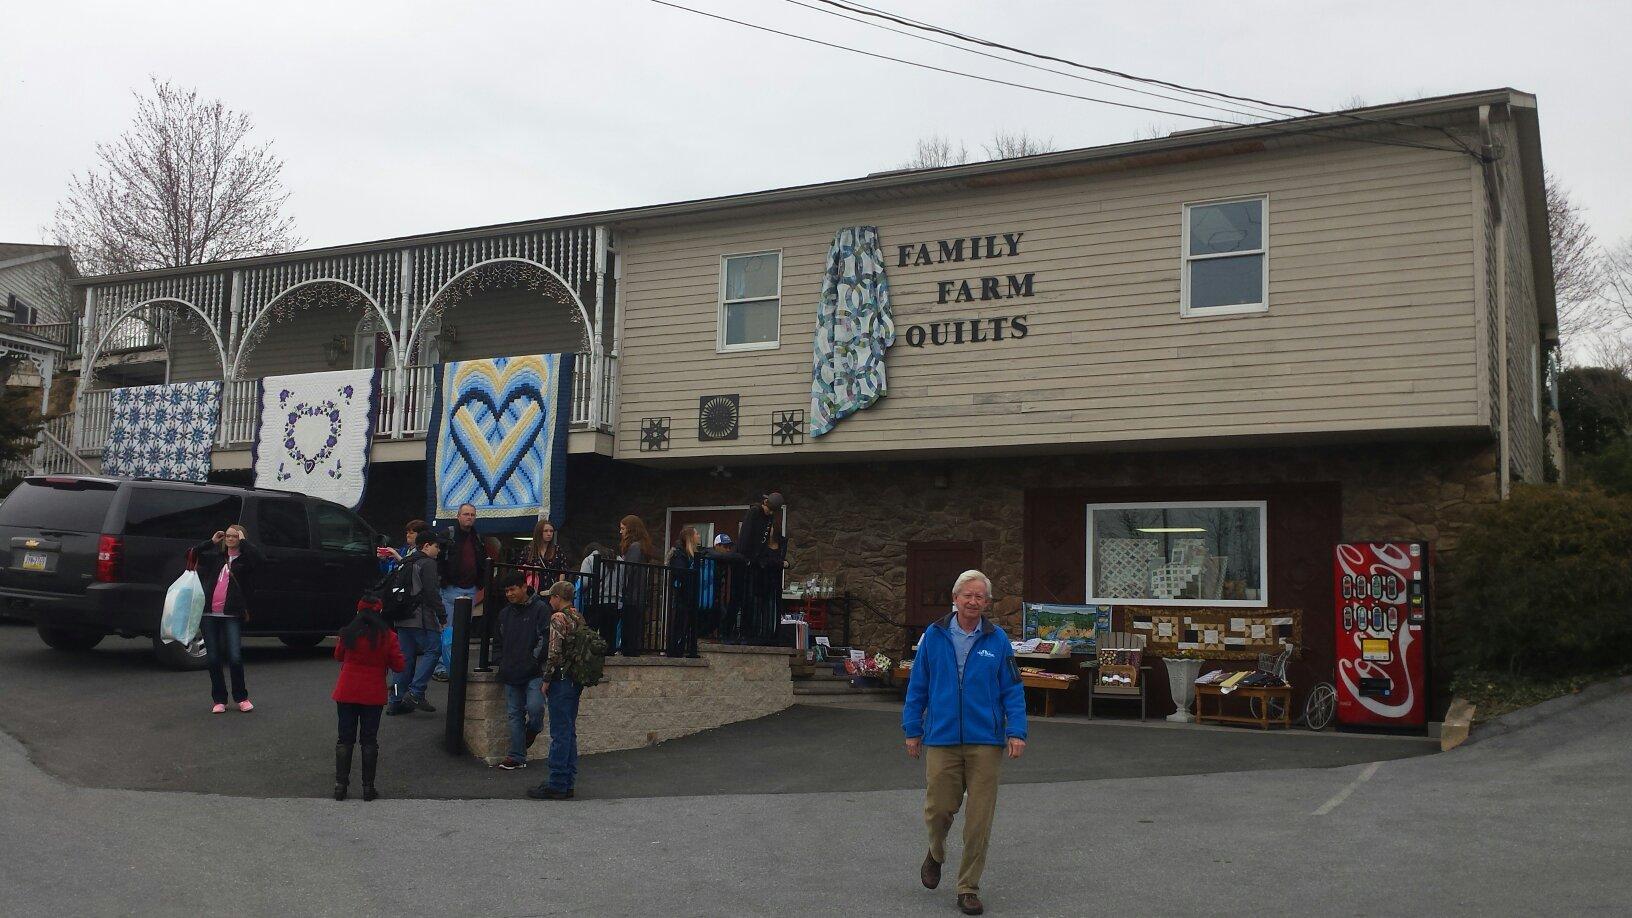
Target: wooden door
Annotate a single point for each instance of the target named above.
(932, 568)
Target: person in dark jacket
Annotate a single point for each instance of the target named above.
(635, 546)
(685, 565)
(228, 564)
(965, 704)
(419, 632)
(546, 550)
(519, 645)
(366, 650)
(598, 599)
(463, 569)
(760, 541)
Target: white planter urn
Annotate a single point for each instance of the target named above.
(1181, 680)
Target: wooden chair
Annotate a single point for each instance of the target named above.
(1097, 691)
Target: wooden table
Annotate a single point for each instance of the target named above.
(1048, 687)
(1265, 695)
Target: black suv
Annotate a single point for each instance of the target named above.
(85, 557)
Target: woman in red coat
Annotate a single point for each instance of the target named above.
(366, 649)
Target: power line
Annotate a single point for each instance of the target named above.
(1246, 111)
(1043, 89)
(863, 9)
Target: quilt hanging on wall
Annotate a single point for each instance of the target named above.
(315, 434)
(854, 330)
(163, 431)
(1221, 634)
(498, 440)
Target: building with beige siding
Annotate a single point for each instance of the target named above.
(1267, 339)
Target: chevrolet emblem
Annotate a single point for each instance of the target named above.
(32, 543)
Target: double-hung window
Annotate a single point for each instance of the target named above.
(750, 301)
(1226, 257)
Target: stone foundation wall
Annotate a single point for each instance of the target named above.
(856, 519)
(646, 700)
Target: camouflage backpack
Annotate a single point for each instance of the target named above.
(583, 652)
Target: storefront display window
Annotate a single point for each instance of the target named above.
(1177, 554)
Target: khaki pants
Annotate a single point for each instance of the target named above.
(953, 771)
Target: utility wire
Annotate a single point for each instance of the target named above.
(1245, 111)
(1043, 89)
(863, 9)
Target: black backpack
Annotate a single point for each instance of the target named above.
(398, 601)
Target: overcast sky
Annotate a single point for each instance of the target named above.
(414, 116)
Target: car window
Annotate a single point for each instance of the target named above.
(283, 524)
(167, 513)
(340, 530)
(68, 506)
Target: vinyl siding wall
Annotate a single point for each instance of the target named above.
(1371, 323)
(43, 285)
(1523, 323)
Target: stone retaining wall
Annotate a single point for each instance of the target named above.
(646, 700)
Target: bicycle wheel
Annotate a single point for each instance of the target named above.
(1277, 708)
(1320, 706)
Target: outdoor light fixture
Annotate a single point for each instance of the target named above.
(1171, 529)
(339, 344)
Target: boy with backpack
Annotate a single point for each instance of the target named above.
(519, 646)
(574, 659)
(415, 609)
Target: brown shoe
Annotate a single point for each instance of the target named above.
(970, 904)
(930, 873)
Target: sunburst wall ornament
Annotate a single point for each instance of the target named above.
(717, 417)
(788, 427)
(654, 435)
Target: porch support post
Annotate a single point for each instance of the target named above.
(399, 353)
(229, 361)
(597, 359)
(87, 366)
(48, 368)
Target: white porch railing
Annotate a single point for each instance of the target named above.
(239, 406)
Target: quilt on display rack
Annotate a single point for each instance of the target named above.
(1078, 626)
(316, 434)
(1221, 634)
(498, 440)
(163, 431)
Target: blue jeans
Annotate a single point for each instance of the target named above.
(449, 594)
(563, 704)
(524, 704)
(223, 645)
(419, 650)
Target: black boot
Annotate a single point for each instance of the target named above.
(342, 769)
(371, 760)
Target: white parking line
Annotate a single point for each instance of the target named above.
(1343, 794)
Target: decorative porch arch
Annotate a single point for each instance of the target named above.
(438, 301)
(98, 341)
(247, 338)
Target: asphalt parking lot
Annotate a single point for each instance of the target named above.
(113, 718)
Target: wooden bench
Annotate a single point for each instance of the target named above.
(1265, 695)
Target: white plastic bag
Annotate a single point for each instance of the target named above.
(183, 608)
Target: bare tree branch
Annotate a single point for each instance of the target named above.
(935, 152)
(1006, 145)
(1578, 272)
(183, 185)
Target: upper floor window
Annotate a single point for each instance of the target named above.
(750, 301)
(1226, 257)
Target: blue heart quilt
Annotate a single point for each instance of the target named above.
(498, 440)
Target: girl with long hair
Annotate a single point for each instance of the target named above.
(685, 563)
(366, 649)
(634, 548)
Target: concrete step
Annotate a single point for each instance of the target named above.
(874, 695)
(801, 689)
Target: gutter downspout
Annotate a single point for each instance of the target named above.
(1493, 189)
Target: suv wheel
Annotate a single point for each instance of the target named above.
(69, 638)
(180, 656)
(301, 641)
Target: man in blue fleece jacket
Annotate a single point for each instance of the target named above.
(965, 703)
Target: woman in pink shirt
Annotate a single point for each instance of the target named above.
(227, 565)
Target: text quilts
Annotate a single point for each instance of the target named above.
(316, 434)
(498, 440)
(163, 431)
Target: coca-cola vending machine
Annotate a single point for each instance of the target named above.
(1383, 611)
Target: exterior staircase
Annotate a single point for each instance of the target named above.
(817, 684)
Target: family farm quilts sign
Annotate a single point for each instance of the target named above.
(316, 434)
(498, 440)
(163, 431)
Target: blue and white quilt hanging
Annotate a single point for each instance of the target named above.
(854, 330)
(315, 434)
(498, 440)
(163, 431)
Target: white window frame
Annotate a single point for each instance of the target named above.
(1185, 258)
(720, 345)
(1262, 602)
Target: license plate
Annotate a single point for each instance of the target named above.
(35, 561)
